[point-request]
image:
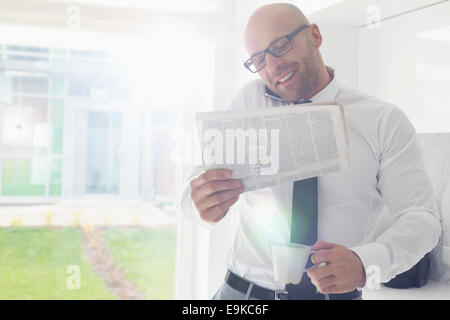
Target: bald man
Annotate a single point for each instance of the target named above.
(386, 171)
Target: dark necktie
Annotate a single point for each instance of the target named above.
(304, 212)
(304, 231)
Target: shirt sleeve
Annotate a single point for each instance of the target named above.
(186, 205)
(409, 197)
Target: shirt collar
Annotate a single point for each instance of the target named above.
(327, 94)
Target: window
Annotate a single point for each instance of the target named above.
(23, 53)
(24, 134)
(88, 144)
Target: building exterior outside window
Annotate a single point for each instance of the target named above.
(70, 128)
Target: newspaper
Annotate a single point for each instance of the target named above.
(266, 147)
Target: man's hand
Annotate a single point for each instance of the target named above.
(343, 271)
(213, 193)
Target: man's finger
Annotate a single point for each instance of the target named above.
(320, 273)
(210, 175)
(213, 187)
(325, 283)
(333, 289)
(218, 198)
(325, 255)
(220, 209)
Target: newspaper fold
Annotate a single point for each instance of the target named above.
(266, 147)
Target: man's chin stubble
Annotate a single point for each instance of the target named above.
(290, 99)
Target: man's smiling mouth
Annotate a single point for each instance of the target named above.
(286, 78)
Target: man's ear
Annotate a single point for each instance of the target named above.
(316, 36)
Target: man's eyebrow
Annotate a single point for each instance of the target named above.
(270, 44)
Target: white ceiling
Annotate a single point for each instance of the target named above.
(137, 15)
(115, 15)
(152, 5)
(354, 13)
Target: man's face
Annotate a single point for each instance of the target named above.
(293, 75)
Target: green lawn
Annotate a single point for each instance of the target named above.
(34, 262)
(147, 257)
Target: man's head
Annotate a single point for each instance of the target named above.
(296, 74)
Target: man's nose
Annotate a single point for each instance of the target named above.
(272, 62)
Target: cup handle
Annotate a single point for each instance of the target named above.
(311, 268)
(316, 265)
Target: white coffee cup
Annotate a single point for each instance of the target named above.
(289, 261)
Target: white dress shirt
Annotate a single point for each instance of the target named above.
(386, 169)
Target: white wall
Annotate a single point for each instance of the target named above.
(340, 51)
(406, 62)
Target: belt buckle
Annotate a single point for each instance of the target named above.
(281, 295)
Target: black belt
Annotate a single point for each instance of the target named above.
(242, 285)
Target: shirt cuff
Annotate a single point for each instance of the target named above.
(376, 260)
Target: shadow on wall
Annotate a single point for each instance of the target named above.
(436, 156)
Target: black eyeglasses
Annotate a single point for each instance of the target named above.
(278, 48)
